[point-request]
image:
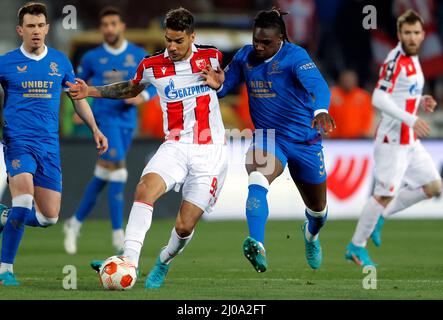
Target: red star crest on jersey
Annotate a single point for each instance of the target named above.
(200, 63)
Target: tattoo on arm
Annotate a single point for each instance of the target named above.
(121, 90)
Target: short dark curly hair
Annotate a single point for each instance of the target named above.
(180, 19)
(110, 11)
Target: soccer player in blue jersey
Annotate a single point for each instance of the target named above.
(114, 61)
(288, 100)
(33, 77)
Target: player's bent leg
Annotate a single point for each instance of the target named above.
(405, 198)
(261, 175)
(22, 190)
(367, 223)
(47, 207)
(257, 214)
(117, 181)
(368, 217)
(150, 188)
(72, 226)
(313, 251)
(314, 197)
(92, 191)
(181, 235)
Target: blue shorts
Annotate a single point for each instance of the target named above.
(44, 166)
(119, 140)
(305, 161)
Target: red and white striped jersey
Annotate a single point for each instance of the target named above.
(191, 111)
(402, 77)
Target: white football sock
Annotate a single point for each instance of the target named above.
(4, 267)
(175, 246)
(405, 198)
(367, 222)
(139, 223)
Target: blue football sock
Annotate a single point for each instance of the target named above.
(13, 233)
(116, 203)
(315, 223)
(92, 191)
(31, 219)
(257, 211)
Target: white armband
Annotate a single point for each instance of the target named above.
(318, 111)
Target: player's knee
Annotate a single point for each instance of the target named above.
(102, 172)
(119, 175)
(319, 206)
(433, 189)
(46, 221)
(147, 191)
(383, 200)
(183, 230)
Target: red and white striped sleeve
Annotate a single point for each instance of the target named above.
(140, 77)
(389, 73)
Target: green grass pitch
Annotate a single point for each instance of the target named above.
(213, 266)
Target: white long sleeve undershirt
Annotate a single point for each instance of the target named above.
(382, 101)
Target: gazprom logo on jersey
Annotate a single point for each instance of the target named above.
(173, 93)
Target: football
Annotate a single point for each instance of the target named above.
(118, 273)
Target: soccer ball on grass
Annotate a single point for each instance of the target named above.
(118, 273)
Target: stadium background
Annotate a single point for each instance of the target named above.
(332, 32)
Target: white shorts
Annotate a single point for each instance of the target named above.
(397, 165)
(201, 169)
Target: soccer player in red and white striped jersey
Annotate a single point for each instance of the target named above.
(194, 154)
(404, 171)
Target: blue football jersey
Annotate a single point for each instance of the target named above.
(283, 92)
(32, 87)
(104, 65)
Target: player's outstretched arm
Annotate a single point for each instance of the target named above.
(119, 90)
(84, 111)
(383, 101)
(213, 78)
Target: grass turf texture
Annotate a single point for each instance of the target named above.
(213, 266)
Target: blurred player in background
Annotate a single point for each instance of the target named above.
(194, 155)
(116, 60)
(33, 77)
(287, 94)
(404, 171)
